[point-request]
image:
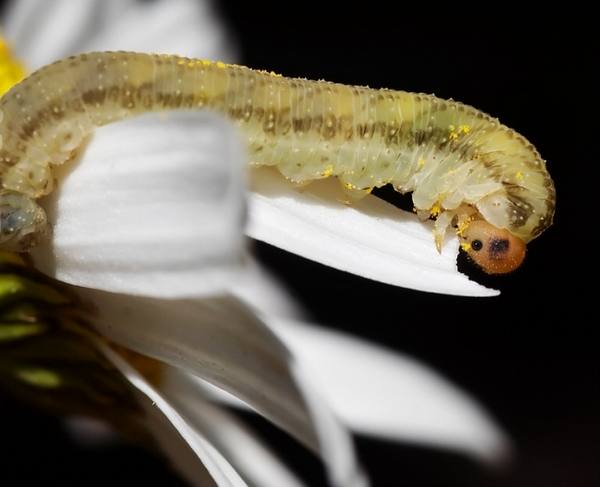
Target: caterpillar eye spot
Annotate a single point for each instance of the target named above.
(476, 245)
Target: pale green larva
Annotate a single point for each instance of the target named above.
(462, 166)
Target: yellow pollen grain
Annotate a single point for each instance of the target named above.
(11, 70)
(466, 246)
(435, 210)
(519, 175)
(421, 162)
(328, 171)
(462, 226)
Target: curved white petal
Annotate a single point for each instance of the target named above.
(154, 207)
(216, 394)
(222, 341)
(382, 393)
(43, 31)
(163, 419)
(334, 441)
(253, 461)
(331, 435)
(371, 238)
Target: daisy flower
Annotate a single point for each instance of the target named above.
(164, 299)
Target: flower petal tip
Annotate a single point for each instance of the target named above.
(372, 238)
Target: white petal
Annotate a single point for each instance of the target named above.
(154, 404)
(253, 461)
(154, 207)
(42, 31)
(378, 392)
(216, 394)
(184, 27)
(331, 435)
(371, 238)
(222, 341)
(334, 441)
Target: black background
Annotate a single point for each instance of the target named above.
(530, 356)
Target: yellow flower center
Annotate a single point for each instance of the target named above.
(11, 69)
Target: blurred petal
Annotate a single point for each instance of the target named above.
(184, 27)
(335, 443)
(163, 419)
(382, 393)
(253, 461)
(371, 238)
(42, 31)
(89, 431)
(326, 422)
(222, 341)
(154, 207)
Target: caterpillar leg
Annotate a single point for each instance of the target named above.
(442, 222)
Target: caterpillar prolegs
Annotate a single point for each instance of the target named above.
(463, 167)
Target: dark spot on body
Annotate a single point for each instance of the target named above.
(91, 97)
(498, 247)
(318, 123)
(520, 210)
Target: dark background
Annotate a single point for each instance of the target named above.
(530, 356)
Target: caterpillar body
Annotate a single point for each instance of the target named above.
(463, 167)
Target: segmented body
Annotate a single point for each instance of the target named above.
(446, 153)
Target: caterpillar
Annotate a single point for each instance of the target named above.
(464, 168)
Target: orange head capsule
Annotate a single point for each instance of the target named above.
(495, 250)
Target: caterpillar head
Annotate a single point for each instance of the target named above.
(22, 222)
(495, 250)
